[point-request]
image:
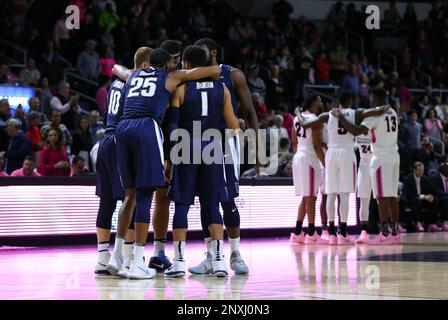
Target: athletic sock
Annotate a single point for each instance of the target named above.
(364, 227)
(119, 244)
(179, 248)
(332, 229)
(343, 229)
(159, 245)
(128, 249)
(384, 229)
(311, 229)
(324, 226)
(394, 226)
(208, 243)
(298, 229)
(139, 252)
(217, 249)
(234, 244)
(103, 250)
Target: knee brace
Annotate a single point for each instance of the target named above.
(212, 213)
(180, 220)
(105, 213)
(330, 206)
(231, 214)
(343, 200)
(143, 208)
(364, 209)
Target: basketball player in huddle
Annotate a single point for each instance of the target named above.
(340, 163)
(384, 165)
(307, 163)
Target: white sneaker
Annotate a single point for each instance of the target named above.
(139, 270)
(237, 263)
(177, 270)
(363, 237)
(101, 266)
(205, 267)
(115, 263)
(124, 270)
(219, 268)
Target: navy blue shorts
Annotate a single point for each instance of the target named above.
(204, 180)
(140, 153)
(232, 167)
(108, 184)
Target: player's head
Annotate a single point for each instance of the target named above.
(174, 48)
(194, 56)
(346, 98)
(378, 97)
(141, 57)
(312, 103)
(159, 58)
(211, 47)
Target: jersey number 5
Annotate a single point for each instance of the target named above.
(142, 87)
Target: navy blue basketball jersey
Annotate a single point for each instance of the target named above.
(114, 103)
(226, 78)
(203, 101)
(146, 95)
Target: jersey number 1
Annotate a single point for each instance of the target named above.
(204, 100)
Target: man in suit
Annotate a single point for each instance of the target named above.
(439, 182)
(419, 196)
(19, 146)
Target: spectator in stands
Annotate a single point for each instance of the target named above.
(78, 167)
(53, 159)
(336, 16)
(338, 63)
(123, 41)
(101, 94)
(34, 103)
(286, 61)
(434, 104)
(95, 124)
(61, 36)
(55, 123)
(278, 124)
(276, 88)
(412, 131)
(418, 195)
(236, 32)
(82, 140)
(197, 21)
(30, 75)
(433, 125)
(27, 169)
(37, 143)
(392, 15)
(259, 105)
(424, 50)
(2, 163)
(350, 81)
(94, 152)
(88, 63)
(284, 169)
(19, 114)
(322, 69)
(51, 63)
(281, 9)
(107, 61)
(439, 181)
(19, 146)
(6, 76)
(405, 61)
(409, 17)
(108, 17)
(284, 152)
(364, 91)
(66, 104)
(256, 84)
(425, 154)
(5, 114)
(106, 38)
(302, 66)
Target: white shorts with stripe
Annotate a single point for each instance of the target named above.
(340, 171)
(306, 174)
(385, 174)
(364, 181)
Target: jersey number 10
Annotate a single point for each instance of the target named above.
(114, 102)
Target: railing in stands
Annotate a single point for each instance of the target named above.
(71, 72)
(13, 54)
(426, 76)
(382, 56)
(322, 90)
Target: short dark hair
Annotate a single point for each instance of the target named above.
(209, 43)
(195, 56)
(412, 111)
(159, 58)
(172, 46)
(284, 142)
(417, 164)
(309, 101)
(345, 96)
(76, 159)
(31, 158)
(379, 93)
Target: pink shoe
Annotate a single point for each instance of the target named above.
(344, 240)
(401, 229)
(433, 228)
(380, 239)
(297, 239)
(363, 238)
(326, 236)
(419, 227)
(315, 239)
(332, 240)
(445, 226)
(396, 238)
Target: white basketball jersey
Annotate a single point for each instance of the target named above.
(325, 134)
(338, 136)
(365, 151)
(384, 132)
(305, 137)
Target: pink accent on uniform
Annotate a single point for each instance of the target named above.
(354, 176)
(373, 136)
(446, 184)
(379, 183)
(3, 174)
(311, 181)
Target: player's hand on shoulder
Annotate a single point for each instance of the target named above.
(336, 112)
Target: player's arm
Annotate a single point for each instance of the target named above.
(229, 115)
(372, 112)
(317, 123)
(317, 144)
(294, 139)
(122, 72)
(177, 77)
(350, 127)
(244, 98)
(171, 120)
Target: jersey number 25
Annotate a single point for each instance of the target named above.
(144, 87)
